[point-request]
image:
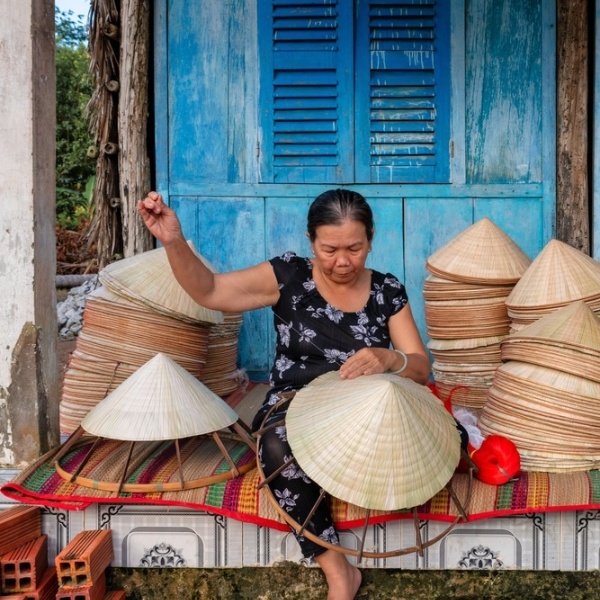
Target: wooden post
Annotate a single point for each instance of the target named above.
(105, 229)
(134, 164)
(573, 125)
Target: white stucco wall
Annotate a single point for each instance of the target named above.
(27, 196)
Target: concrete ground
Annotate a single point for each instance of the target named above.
(292, 581)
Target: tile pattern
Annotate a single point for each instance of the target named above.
(177, 537)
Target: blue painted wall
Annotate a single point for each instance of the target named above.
(210, 143)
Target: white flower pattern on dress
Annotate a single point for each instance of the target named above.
(295, 301)
(293, 471)
(330, 535)
(281, 432)
(336, 356)
(282, 364)
(392, 282)
(287, 500)
(400, 302)
(306, 334)
(333, 313)
(366, 334)
(377, 293)
(284, 333)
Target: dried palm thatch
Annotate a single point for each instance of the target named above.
(105, 229)
(119, 179)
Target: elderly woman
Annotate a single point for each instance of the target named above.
(330, 313)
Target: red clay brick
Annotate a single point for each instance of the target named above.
(84, 559)
(86, 592)
(47, 588)
(22, 569)
(19, 525)
(119, 595)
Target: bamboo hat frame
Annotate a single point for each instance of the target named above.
(360, 552)
(161, 401)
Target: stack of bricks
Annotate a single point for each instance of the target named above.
(81, 566)
(79, 572)
(24, 570)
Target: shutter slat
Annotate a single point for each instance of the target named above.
(303, 103)
(316, 127)
(408, 150)
(296, 3)
(400, 126)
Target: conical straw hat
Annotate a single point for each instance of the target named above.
(104, 294)
(482, 253)
(380, 442)
(573, 325)
(147, 278)
(560, 274)
(160, 401)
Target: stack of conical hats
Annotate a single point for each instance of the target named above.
(546, 396)
(160, 402)
(220, 373)
(139, 311)
(118, 337)
(465, 310)
(395, 445)
(559, 275)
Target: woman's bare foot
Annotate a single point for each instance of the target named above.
(343, 579)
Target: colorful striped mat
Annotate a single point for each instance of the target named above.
(239, 497)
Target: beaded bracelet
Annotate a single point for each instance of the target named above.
(397, 372)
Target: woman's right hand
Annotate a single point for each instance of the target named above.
(160, 219)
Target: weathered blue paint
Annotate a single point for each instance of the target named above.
(430, 224)
(504, 91)
(230, 234)
(206, 106)
(240, 207)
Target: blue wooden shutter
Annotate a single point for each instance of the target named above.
(403, 91)
(306, 96)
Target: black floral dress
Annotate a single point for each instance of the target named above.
(314, 338)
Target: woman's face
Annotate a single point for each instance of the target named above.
(341, 250)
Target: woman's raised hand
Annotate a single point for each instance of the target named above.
(160, 219)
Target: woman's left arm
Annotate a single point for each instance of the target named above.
(406, 338)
